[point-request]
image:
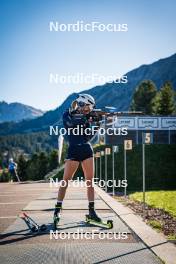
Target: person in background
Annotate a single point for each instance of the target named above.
(13, 169)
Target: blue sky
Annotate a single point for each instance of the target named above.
(29, 51)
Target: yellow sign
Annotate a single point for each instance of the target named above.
(128, 144)
(98, 154)
(107, 151)
(148, 138)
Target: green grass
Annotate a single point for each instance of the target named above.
(155, 224)
(159, 199)
(172, 237)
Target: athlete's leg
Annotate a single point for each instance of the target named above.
(88, 169)
(69, 171)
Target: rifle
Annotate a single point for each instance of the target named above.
(97, 114)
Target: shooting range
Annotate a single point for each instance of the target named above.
(143, 131)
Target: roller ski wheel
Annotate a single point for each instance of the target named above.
(34, 229)
(43, 227)
(57, 216)
(39, 229)
(108, 224)
(56, 221)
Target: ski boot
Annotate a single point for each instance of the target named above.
(57, 216)
(93, 219)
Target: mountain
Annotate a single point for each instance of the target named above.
(17, 112)
(113, 94)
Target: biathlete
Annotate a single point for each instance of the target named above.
(79, 150)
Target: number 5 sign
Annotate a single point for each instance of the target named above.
(147, 138)
(128, 144)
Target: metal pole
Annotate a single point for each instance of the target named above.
(104, 120)
(137, 137)
(96, 167)
(143, 172)
(125, 172)
(169, 136)
(113, 178)
(100, 168)
(106, 172)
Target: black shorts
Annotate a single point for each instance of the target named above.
(80, 152)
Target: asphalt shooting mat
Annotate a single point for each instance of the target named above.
(78, 253)
(19, 245)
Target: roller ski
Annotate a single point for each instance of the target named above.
(57, 216)
(93, 219)
(32, 225)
